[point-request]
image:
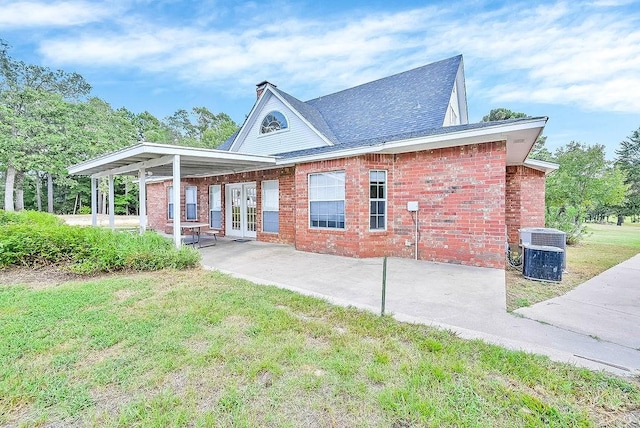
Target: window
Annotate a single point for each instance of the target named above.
(215, 206)
(170, 203)
(326, 200)
(274, 121)
(191, 204)
(270, 206)
(377, 200)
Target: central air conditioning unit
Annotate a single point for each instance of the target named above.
(542, 263)
(545, 237)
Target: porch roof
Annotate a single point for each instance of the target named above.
(158, 158)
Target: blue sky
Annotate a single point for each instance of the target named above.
(577, 62)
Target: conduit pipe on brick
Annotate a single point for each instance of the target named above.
(416, 236)
(413, 207)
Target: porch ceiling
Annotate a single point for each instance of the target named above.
(157, 159)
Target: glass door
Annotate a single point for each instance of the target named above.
(241, 210)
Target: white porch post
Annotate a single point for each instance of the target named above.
(142, 199)
(94, 201)
(112, 219)
(176, 201)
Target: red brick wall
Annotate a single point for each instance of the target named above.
(525, 204)
(461, 192)
(157, 201)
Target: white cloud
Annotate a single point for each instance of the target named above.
(28, 14)
(562, 53)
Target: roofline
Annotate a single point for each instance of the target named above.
(437, 141)
(288, 105)
(544, 166)
(163, 150)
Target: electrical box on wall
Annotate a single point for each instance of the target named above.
(412, 206)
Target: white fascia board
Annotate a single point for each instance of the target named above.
(431, 142)
(461, 85)
(136, 166)
(242, 134)
(544, 166)
(258, 106)
(302, 118)
(107, 158)
(163, 150)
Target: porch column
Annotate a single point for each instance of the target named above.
(142, 199)
(112, 219)
(94, 201)
(176, 201)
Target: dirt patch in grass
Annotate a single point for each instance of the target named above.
(36, 278)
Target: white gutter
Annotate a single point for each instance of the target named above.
(544, 166)
(437, 141)
(165, 151)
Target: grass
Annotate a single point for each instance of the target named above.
(604, 247)
(195, 348)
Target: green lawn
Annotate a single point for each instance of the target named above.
(196, 348)
(604, 246)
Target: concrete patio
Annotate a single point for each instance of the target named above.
(467, 300)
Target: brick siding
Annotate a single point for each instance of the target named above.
(462, 192)
(525, 200)
(157, 201)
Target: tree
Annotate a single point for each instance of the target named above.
(28, 95)
(585, 181)
(151, 129)
(200, 127)
(502, 114)
(539, 151)
(629, 162)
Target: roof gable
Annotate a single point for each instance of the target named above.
(299, 135)
(411, 102)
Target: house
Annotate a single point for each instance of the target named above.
(391, 167)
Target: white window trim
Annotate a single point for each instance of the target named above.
(385, 199)
(186, 203)
(277, 208)
(169, 203)
(326, 200)
(211, 207)
(279, 131)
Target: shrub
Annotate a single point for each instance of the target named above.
(35, 239)
(569, 221)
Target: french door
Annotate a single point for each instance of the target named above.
(241, 210)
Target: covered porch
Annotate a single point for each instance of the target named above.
(144, 160)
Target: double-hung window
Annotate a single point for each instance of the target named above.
(215, 206)
(191, 203)
(326, 200)
(270, 206)
(377, 200)
(170, 202)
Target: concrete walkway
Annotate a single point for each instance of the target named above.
(467, 300)
(607, 306)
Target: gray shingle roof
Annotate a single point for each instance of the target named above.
(405, 104)
(228, 142)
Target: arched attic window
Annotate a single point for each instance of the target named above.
(273, 121)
